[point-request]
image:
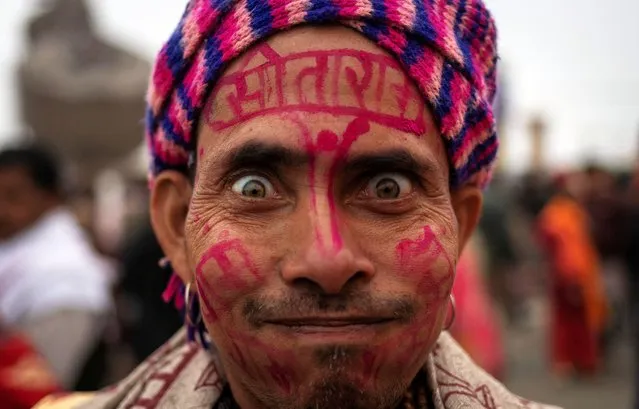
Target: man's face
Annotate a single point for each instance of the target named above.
(21, 201)
(320, 233)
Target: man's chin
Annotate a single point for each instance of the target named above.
(342, 391)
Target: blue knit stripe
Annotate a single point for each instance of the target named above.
(261, 17)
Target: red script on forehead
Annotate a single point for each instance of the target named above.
(279, 84)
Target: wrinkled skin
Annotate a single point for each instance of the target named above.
(323, 244)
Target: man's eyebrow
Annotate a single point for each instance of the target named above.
(395, 159)
(263, 155)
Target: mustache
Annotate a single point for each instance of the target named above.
(260, 309)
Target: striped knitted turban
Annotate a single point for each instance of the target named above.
(447, 47)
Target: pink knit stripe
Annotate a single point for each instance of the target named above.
(393, 40)
(346, 8)
(177, 116)
(243, 36)
(227, 31)
(460, 92)
(473, 137)
(443, 23)
(364, 8)
(406, 13)
(427, 71)
(168, 151)
(194, 79)
(279, 13)
(198, 22)
(162, 81)
(296, 10)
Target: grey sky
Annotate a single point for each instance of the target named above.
(575, 61)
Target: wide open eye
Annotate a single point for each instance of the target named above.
(388, 186)
(253, 187)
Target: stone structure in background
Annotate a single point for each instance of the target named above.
(80, 94)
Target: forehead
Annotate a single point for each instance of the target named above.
(322, 77)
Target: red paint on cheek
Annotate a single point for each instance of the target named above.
(418, 258)
(209, 312)
(238, 356)
(236, 275)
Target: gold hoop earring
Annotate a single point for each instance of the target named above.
(451, 320)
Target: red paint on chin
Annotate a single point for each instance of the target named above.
(280, 362)
(281, 375)
(369, 361)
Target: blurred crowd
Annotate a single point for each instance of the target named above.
(568, 238)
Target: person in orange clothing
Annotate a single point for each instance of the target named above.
(24, 376)
(578, 304)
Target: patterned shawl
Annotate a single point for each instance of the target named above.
(183, 375)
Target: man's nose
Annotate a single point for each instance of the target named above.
(332, 271)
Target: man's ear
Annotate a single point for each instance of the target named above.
(467, 202)
(170, 197)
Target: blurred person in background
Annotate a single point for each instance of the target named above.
(631, 258)
(54, 288)
(25, 377)
(477, 325)
(147, 321)
(606, 205)
(499, 249)
(577, 296)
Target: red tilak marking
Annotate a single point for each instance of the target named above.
(327, 71)
(354, 130)
(328, 141)
(310, 147)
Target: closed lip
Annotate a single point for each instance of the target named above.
(328, 322)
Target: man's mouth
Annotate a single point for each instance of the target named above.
(328, 322)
